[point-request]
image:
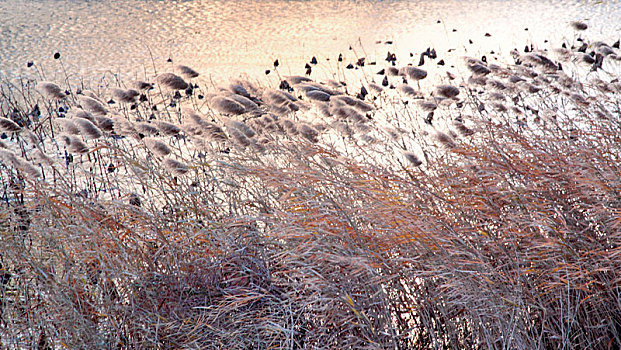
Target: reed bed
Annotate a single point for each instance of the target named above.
(480, 213)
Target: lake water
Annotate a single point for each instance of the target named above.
(224, 39)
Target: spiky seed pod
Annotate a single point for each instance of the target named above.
(168, 129)
(226, 105)
(125, 96)
(50, 90)
(68, 126)
(87, 129)
(176, 167)
(76, 145)
(412, 158)
(157, 146)
(171, 81)
(414, 73)
(447, 91)
(92, 105)
(577, 25)
(8, 125)
(146, 128)
(316, 95)
(187, 72)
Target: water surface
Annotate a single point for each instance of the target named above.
(224, 39)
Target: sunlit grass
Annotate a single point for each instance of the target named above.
(483, 213)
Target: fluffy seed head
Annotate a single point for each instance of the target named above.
(448, 91)
(146, 128)
(125, 96)
(226, 105)
(8, 125)
(187, 72)
(68, 126)
(577, 25)
(171, 81)
(75, 145)
(316, 95)
(168, 129)
(414, 73)
(176, 167)
(87, 129)
(50, 90)
(92, 105)
(157, 146)
(412, 158)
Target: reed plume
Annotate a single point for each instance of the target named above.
(168, 129)
(447, 91)
(8, 125)
(176, 167)
(157, 146)
(75, 145)
(92, 105)
(187, 72)
(578, 25)
(226, 105)
(171, 81)
(68, 126)
(412, 158)
(146, 128)
(87, 129)
(317, 95)
(51, 90)
(125, 96)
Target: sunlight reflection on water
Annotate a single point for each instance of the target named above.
(226, 38)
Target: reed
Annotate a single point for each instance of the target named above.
(484, 216)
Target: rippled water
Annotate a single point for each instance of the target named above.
(228, 38)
